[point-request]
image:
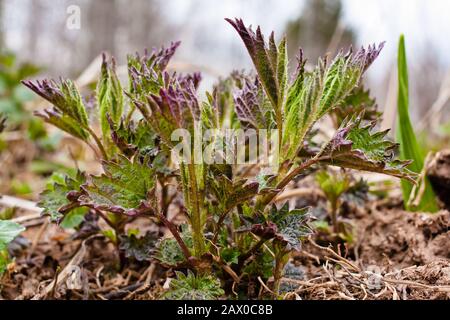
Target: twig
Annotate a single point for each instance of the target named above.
(335, 255)
(417, 284)
(13, 202)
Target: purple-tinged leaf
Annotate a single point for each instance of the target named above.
(355, 146)
(124, 188)
(252, 108)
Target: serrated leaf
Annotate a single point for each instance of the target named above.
(230, 255)
(409, 147)
(218, 112)
(194, 287)
(138, 248)
(356, 146)
(358, 101)
(69, 113)
(252, 107)
(333, 184)
(292, 225)
(54, 198)
(232, 193)
(146, 72)
(63, 122)
(8, 231)
(270, 62)
(109, 96)
(313, 95)
(168, 251)
(176, 107)
(132, 137)
(123, 188)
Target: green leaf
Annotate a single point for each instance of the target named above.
(168, 251)
(230, 255)
(109, 97)
(409, 147)
(293, 225)
(74, 218)
(270, 62)
(138, 248)
(8, 231)
(123, 188)
(146, 72)
(333, 184)
(358, 101)
(355, 146)
(132, 137)
(194, 287)
(313, 95)
(69, 113)
(54, 198)
(232, 193)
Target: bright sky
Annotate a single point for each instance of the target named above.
(426, 24)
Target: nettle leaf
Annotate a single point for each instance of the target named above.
(175, 107)
(168, 251)
(253, 108)
(132, 137)
(333, 184)
(218, 112)
(54, 200)
(270, 62)
(194, 287)
(230, 255)
(292, 225)
(358, 101)
(232, 193)
(146, 72)
(122, 189)
(8, 231)
(69, 113)
(109, 96)
(356, 146)
(74, 218)
(138, 248)
(313, 95)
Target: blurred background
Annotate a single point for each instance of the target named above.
(65, 36)
(53, 38)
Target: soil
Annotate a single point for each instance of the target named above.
(396, 255)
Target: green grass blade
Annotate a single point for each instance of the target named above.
(409, 147)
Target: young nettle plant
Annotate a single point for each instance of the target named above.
(234, 233)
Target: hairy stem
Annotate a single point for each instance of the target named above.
(263, 201)
(195, 208)
(281, 259)
(98, 143)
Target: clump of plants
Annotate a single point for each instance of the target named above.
(233, 236)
